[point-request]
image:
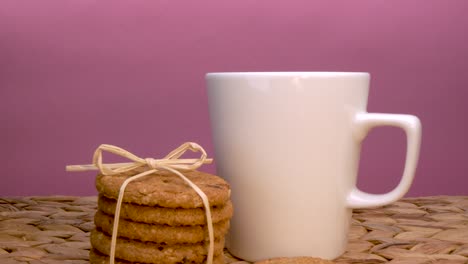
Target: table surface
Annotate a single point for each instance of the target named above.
(55, 229)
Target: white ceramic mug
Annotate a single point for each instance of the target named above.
(289, 145)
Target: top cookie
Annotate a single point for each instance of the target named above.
(166, 189)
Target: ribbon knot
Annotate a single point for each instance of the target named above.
(171, 162)
(154, 163)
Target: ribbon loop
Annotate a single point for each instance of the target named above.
(107, 170)
(194, 147)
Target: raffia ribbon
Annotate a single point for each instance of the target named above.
(171, 163)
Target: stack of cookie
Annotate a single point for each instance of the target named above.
(162, 219)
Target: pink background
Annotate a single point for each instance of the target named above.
(77, 73)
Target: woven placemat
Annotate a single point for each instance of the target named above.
(55, 229)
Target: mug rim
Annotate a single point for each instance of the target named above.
(288, 73)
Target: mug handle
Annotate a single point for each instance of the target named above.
(364, 122)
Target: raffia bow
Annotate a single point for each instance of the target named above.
(170, 163)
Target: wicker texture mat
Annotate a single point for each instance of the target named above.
(55, 229)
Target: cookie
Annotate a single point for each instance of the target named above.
(148, 252)
(167, 216)
(166, 189)
(295, 260)
(159, 233)
(96, 257)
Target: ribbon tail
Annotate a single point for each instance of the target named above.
(89, 167)
(117, 213)
(206, 204)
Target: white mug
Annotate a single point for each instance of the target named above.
(289, 145)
